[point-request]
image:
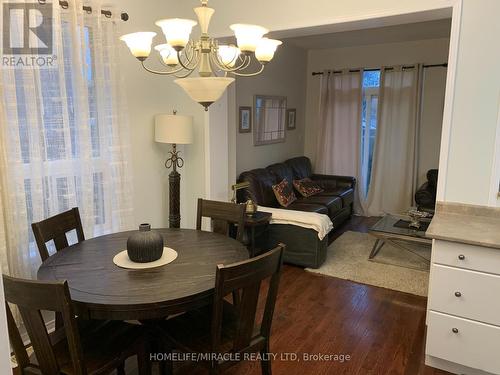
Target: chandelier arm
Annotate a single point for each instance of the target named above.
(244, 64)
(173, 71)
(215, 66)
(183, 65)
(190, 54)
(184, 75)
(251, 74)
(159, 72)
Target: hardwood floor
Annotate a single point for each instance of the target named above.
(381, 330)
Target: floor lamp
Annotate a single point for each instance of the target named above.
(176, 130)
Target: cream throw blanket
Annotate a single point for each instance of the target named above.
(319, 222)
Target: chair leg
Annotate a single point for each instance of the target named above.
(120, 369)
(143, 362)
(236, 298)
(265, 364)
(166, 367)
(214, 369)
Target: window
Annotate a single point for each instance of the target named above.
(371, 85)
(58, 150)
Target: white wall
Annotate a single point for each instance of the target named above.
(474, 117)
(431, 121)
(476, 107)
(147, 95)
(284, 76)
(432, 51)
(297, 14)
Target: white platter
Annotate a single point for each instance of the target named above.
(122, 260)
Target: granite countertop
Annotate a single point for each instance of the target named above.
(474, 225)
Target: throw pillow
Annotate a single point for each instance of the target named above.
(284, 193)
(307, 187)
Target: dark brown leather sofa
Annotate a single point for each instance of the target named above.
(303, 245)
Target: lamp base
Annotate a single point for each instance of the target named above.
(174, 217)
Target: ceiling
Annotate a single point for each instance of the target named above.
(387, 34)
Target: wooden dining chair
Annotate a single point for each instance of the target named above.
(72, 349)
(224, 328)
(222, 214)
(55, 229)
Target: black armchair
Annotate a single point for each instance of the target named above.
(425, 196)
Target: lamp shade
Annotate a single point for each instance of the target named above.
(174, 129)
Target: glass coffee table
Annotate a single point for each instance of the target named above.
(385, 231)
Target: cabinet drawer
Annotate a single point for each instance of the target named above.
(471, 257)
(469, 294)
(473, 344)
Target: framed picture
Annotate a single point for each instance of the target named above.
(245, 125)
(291, 118)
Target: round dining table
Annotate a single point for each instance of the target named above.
(102, 290)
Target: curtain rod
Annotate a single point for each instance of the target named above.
(444, 65)
(107, 13)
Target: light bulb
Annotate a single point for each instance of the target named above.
(177, 31)
(248, 36)
(228, 55)
(266, 49)
(139, 43)
(168, 54)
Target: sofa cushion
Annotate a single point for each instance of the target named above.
(284, 193)
(331, 202)
(309, 207)
(300, 166)
(282, 171)
(346, 194)
(306, 187)
(261, 187)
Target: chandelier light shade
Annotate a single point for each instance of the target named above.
(168, 54)
(215, 64)
(266, 49)
(139, 43)
(229, 55)
(205, 90)
(248, 36)
(176, 31)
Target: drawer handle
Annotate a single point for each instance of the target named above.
(461, 257)
(454, 330)
(458, 294)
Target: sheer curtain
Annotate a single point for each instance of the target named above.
(394, 169)
(339, 134)
(339, 123)
(64, 137)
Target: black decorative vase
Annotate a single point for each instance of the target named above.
(145, 245)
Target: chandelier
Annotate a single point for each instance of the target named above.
(182, 56)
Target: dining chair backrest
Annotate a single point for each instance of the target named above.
(222, 214)
(55, 229)
(31, 298)
(246, 278)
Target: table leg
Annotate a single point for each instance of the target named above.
(376, 248)
(252, 242)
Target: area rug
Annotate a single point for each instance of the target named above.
(392, 268)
